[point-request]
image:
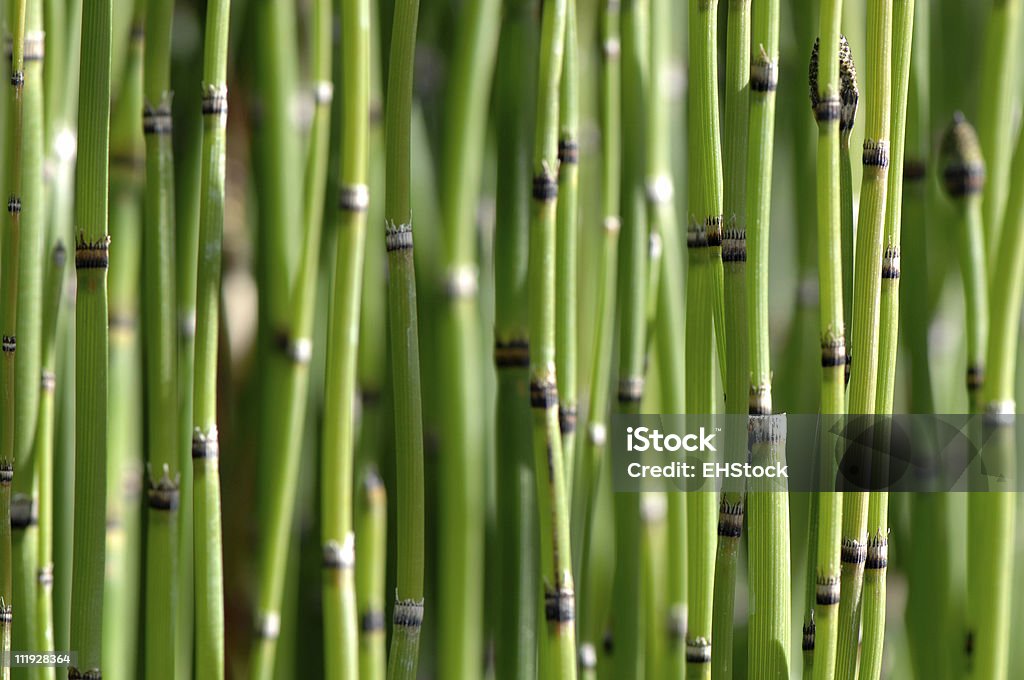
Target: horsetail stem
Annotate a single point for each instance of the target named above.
(849, 97)
(408, 611)
(206, 504)
(669, 332)
(91, 260)
(995, 115)
(594, 445)
(126, 424)
(864, 347)
(737, 364)
(827, 90)
(371, 528)
(341, 632)
(461, 537)
(627, 598)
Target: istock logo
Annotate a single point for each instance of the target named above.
(642, 439)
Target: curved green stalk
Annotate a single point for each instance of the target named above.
(588, 469)
(163, 461)
(630, 549)
(705, 227)
(206, 506)
(461, 529)
(827, 93)
(737, 364)
(567, 230)
(91, 260)
(768, 514)
(371, 528)
(558, 645)
(24, 530)
(341, 642)
(864, 347)
(515, 642)
(43, 639)
(408, 612)
(124, 456)
(995, 113)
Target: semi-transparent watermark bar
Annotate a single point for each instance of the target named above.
(803, 452)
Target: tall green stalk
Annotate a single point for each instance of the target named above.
(160, 340)
(462, 503)
(737, 364)
(627, 599)
(24, 529)
(558, 645)
(768, 511)
(589, 463)
(124, 456)
(567, 231)
(371, 528)
(669, 330)
(866, 317)
(408, 610)
(995, 115)
(515, 641)
(341, 642)
(827, 105)
(206, 504)
(91, 261)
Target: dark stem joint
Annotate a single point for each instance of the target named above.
(877, 556)
(852, 552)
(566, 419)
(164, 493)
(631, 389)
(807, 644)
(914, 170)
(759, 401)
(44, 576)
(408, 614)
(698, 651)
(764, 74)
(975, 377)
(157, 120)
(891, 263)
(339, 556)
(372, 621)
(296, 350)
(827, 110)
(676, 622)
(6, 614)
(354, 198)
(6, 473)
(876, 154)
(766, 429)
(23, 512)
(833, 352)
(559, 605)
(545, 188)
(18, 79)
(215, 101)
(826, 591)
(14, 205)
(512, 353)
(205, 446)
(713, 230)
(734, 245)
(730, 519)
(568, 151)
(398, 237)
(9, 344)
(696, 237)
(964, 179)
(543, 393)
(92, 254)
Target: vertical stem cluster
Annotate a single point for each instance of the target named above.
(341, 643)
(705, 230)
(515, 642)
(737, 364)
(206, 506)
(866, 316)
(91, 261)
(405, 358)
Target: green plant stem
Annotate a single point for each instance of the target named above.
(371, 528)
(91, 260)
(341, 636)
(160, 341)
(669, 331)
(461, 531)
(588, 468)
(515, 642)
(24, 530)
(558, 645)
(124, 455)
(995, 113)
(864, 347)
(826, 98)
(43, 639)
(409, 605)
(737, 364)
(627, 598)
(567, 230)
(206, 503)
